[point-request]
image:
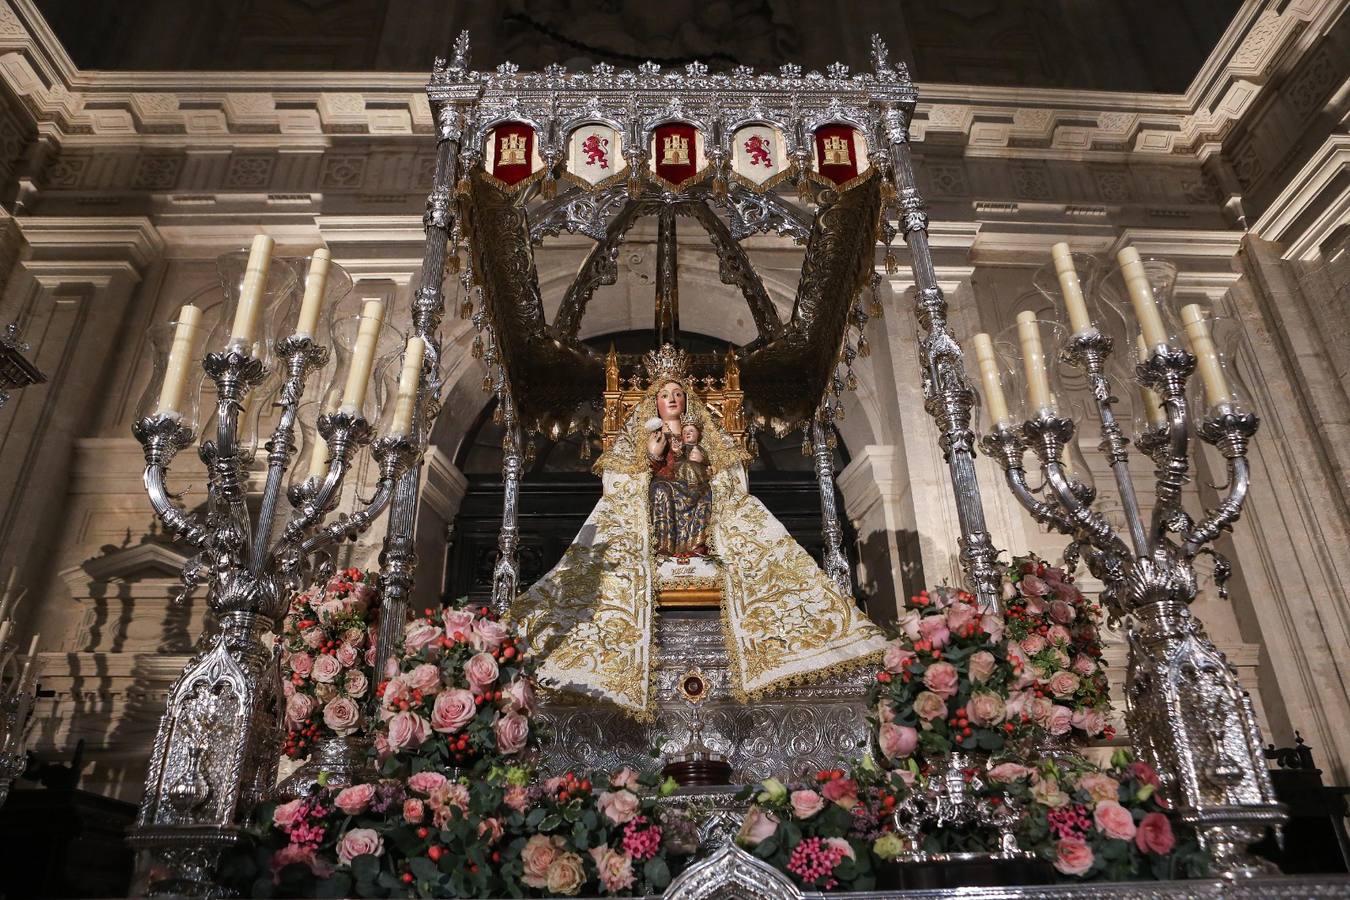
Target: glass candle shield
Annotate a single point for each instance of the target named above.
(1091, 271)
(161, 337)
(337, 289)
(1162, 283)
(1218, 388)
(380, 392)
(1010, 347)
(277, 288)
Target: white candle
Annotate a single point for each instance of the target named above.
(30, 661)
(248, 312)
(1206, 357)
(1141, 296)
(363, 356)
(1153, 404)
(408, 382)
(316, 282)
(5, 629)
(1033, 363)
(180, 361)
(989, 377)
(1079, 320)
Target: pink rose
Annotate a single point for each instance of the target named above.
(897, 741)
(1058, 636)
(908, 622)
(362, 593)
(1008, 772)
(758, 826)
(287, 814)
(614, 869)
(414, 811)
(1085, 665)
(1114, 820)
(407, 731)
(299, 707)
(842, 846)
(359, 842)
(481, 670)
(619, 806)
(1089, 721)
(1062, 612)
(1072, 856)
(1035, 606)
(985, 709)
(885, 711)
(426, 783)
(287, 688)
(1142, 771)
(1033, 644)
(942, 679)
(934, 630)
(301, 663)
(1040, 709)
(1046, 792)
(1154, 834)
(330, 610)
(993, 626)
(355, 683)
(982, 665)
(342, 715)
(490, 830)
(1016, 653)
(354, 800)
(354, 636)
(929, 706)
(896, 656)
(1100, 787)
(843, 791)
(806, 803)
(959, 615)
(566, 875)
(326, 669)
(1016, 706)
(1063, 684)
(521, 694)
(298, 854)
(451, 794)
(1060, 720)
(425, 678)
(458, 621)
(452, 711)
(369, 657)
(1033, 586)
(517, 798)
(487, 635)
(418, 635)
(537, 855)
(627, 777)
(1066, 592)
(511, 730)
(348, 655)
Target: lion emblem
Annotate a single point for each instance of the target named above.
(595, 148)
(758, 148)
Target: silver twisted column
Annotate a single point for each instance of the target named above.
(836, 563)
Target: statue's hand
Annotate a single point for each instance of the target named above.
(656, 445)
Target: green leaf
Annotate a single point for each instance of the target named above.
(766, 848)
(366, 867)
(657, 872)
(550, 822)
(339, 884)
(580, 836)
(424, 869)
(535, 817)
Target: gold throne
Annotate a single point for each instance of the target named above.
(680, 587)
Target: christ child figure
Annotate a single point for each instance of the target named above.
(691, 466)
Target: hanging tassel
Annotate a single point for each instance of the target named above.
(891, 265)
(634, 182)
(806, 443)
(497, 415)
(851, 381)
(476, 348)
(452, 262)
(804, 188)
(839, 413)
(487, 383)
(465, 308)
(874, 306)
(584, 452)
(549, 189)
(887, 188)
(719, 187)
(529, 453)
(864, 348)
(462, 186)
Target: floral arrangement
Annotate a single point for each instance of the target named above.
(328, 655)
(495, 834)
(946, 680)
(828, 834)
(461, 694)
(1091, 823)
(1052, 630)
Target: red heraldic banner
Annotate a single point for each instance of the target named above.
(676, 153)
(512, 152)
(836, 153)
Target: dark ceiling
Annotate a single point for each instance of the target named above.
(1142, 45)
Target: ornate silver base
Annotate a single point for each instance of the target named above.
(796, 731)
(345, 760)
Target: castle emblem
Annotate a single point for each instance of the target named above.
(837, 151)
(511, 150)
(675, 151)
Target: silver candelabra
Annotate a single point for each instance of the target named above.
(1188, 716)
(216, 750)
(18, 688)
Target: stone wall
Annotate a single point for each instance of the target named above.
(121, 188)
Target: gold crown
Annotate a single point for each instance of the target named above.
(668, 362)
(692, 418)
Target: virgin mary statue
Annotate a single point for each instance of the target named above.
(590, 618)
